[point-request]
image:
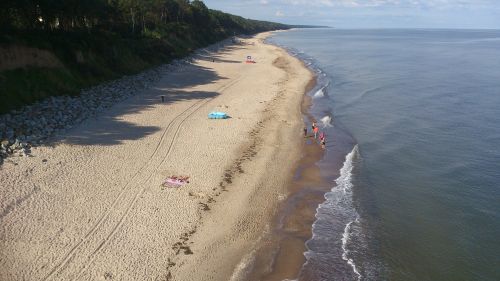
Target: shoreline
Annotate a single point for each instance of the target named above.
(247, 251)
(281, 255)
(107, 205)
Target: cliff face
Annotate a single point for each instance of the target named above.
(14, 57)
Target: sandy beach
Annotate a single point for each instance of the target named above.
(91, 205)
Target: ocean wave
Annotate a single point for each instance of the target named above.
(319, 94)
(344, 182)
(322, 91)
(346, 238)
(244, 267)
(326, 121)
(334, 230)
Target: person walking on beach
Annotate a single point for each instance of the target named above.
(305, 131)
(315, 130)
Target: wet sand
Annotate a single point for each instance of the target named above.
(281, 253)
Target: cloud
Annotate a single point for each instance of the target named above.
(310, 2)
(381, 3)
(369, 13)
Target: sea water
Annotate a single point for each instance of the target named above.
(415, 122)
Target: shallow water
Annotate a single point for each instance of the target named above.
(416, 124)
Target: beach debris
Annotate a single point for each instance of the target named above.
(217, 115)
(180, 247)
(175, 181)
(108, 276)
(199, 195)
(204, 206)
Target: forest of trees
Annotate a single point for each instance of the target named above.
(99, 40)
(123, 16)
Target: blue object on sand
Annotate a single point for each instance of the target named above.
(217, 115)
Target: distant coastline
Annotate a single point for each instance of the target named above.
(309, 26)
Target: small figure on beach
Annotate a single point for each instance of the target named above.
(316, 130)
(250, 60)
(313, 125)
(305, 131)
(322, 139)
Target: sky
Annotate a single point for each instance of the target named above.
(369, 13)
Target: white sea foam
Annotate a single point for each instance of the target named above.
(345, 239)
(244, 267)
(338, 204)
(326, 121)
(344, 182)
(319, 94)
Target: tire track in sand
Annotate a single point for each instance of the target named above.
(83, 253)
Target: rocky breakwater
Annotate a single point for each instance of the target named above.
(35, 124)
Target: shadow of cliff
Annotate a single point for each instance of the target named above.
(110, 128)
(216, 56)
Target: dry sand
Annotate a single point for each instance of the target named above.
(91, 207)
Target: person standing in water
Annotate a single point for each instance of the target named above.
(322, 140)
(305, 131)
(315, 130)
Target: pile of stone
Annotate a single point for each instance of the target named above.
(32, 125)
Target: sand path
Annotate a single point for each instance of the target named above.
(91, 207)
